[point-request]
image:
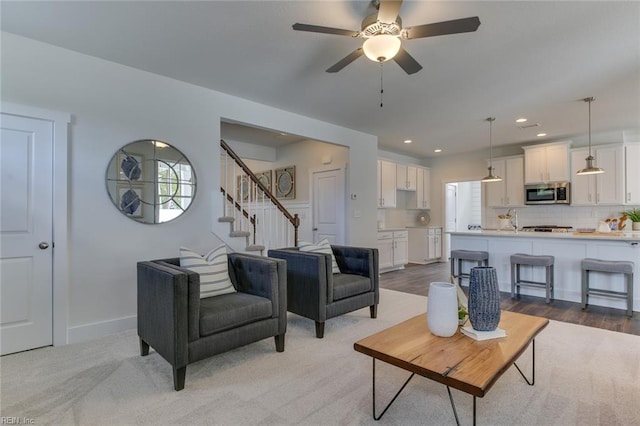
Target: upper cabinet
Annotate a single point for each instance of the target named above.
(406, 177)
(422, 197)
(632, 161)
(386, 184)
(546, 163)
(605, 188)
(510, 191)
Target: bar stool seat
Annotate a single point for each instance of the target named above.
(519, 259)
(608, 266)
(481, 258)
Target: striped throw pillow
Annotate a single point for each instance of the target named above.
(212, 268)
(322, 246)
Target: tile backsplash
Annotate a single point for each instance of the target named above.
(577, 217)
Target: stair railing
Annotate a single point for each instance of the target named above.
(253, 206)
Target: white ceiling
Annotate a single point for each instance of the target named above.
(535, 59)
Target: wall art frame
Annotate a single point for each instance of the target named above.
(285, 183)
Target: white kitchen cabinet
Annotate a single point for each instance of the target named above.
(393, 250)
(546, 163)
(422, 197)
(425, 245)
(510, 191)
(632, 172)
(600, 189)
(406, 176)
(386, 184)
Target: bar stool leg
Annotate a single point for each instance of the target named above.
(548, 283)
(585, 288)
(460, 272)
(629, 279)
(513, 281)
(518, 266)
(453, 267)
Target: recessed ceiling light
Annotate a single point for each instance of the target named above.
(541, 135)
(437, 150)
(408, 141)
(521, 120)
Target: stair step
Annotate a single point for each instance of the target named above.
(226, 219)
(239, 233)
(254, 247)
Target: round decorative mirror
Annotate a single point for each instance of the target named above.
(150, 181)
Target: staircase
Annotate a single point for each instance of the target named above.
(251, 209)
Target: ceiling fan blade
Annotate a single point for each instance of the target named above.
(406, 62)
(346, 60)
(324, 30)
(388, 11)
(464, 25)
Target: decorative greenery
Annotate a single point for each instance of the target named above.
(462, 312)
(633, 214)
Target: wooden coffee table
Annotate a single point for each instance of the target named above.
(457, 362)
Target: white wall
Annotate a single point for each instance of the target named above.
(112, 105)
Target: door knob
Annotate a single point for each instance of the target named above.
(315, 229)
(43, 245)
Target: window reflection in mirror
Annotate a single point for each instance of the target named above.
(150, 181)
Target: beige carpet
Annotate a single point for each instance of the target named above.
(584, 376)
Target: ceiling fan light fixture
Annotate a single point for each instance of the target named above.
(381, 47)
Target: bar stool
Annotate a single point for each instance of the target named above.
(460, 256)
(519, 259)
(612, 267)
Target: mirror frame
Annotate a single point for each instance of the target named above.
(151, 181)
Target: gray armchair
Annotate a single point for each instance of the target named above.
(183, 328)
(314, 292)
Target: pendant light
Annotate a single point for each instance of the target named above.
(491, 177)
(590, 169)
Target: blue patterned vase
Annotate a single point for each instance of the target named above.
(484, 298)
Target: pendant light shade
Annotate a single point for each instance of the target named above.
(491, 177)
(590, 169)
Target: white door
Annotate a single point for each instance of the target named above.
(328, 205)
(26, 230)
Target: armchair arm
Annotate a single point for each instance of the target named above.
(309, 279)
(261, 276)
(163, 305)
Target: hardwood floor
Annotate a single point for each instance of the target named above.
(415, 279)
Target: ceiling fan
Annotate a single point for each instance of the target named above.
(383, 32)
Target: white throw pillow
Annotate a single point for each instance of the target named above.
(322, 246)
(212, 268)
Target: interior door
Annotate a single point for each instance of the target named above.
(328, 205)
(26, 230)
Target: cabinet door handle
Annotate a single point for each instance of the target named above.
(629, 196)
(598, 197)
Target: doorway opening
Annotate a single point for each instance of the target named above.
(463, 209)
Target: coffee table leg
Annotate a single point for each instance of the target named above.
(533, 365)
(374, 393)
(455, 413)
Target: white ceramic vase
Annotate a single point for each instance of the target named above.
(442, 309)
(635, 226)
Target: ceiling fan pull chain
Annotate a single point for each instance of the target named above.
(381, 87)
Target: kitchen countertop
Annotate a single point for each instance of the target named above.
(404, 228)
(633, 236)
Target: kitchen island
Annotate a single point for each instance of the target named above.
(568, 249)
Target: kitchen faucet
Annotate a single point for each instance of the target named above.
(514, 218)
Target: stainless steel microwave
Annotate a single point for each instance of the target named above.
(548, 193)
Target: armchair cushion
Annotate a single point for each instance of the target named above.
(322, 246)
(229, 311)
(212, 269)
(347, 285)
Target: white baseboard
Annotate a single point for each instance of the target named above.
(82, 333)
